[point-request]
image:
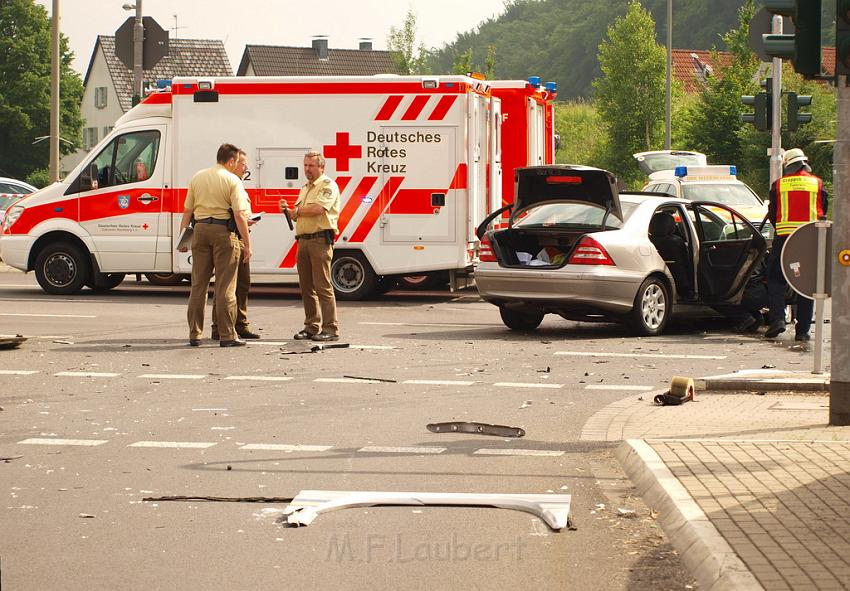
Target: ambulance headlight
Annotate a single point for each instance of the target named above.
(12, 216)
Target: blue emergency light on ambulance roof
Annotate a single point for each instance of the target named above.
(552, 87)
(681, 171)
(733, 170)
(534, 81)
(163, 84)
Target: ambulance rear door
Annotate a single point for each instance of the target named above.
(495, 160)
(122, 212)
(536, 133)
(424, 209)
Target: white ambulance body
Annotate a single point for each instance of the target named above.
(413, 157)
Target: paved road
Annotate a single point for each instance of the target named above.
(107, 405)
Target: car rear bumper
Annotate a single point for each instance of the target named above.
(561, 289)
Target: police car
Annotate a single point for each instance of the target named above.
(12, 190)
(717, 183)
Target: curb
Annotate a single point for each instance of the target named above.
(766, 381)
(705, 552)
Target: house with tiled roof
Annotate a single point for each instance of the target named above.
(317, 60)
(108, 83)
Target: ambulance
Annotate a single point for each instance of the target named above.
(417, 160)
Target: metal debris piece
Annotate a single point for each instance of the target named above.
(476, 428)
(86, 515)
(60, 342)
(11, 342)
(221, 499)
(387, 380)
(553, 509)
(329, 346)
(10, 458)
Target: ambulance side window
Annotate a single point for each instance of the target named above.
(129, 158)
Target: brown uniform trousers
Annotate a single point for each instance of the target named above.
(214, 250)
(243, 286)
(317, 292)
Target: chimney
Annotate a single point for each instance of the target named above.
(366, 44)
(320, 44)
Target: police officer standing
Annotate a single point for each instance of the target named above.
(243, 275)
(213, 193)
(797, 198)
(316, 213)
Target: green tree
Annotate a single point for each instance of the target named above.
(715, 123)
(409, 57)
(630, 95)
(463, 62)
(25, 90)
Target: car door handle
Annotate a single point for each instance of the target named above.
(147, 198)
(712, 247)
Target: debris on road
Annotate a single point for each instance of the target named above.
(11, 342)
(9, 458)
(681, 391)
(627, 513)
(308, 504)
(60, 342)
(387, 380)
(86, 516)
(525, 404)
(476, 428)
(220, 499)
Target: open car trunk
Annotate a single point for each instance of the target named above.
(529, 248)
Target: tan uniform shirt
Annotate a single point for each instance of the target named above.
(325, 192)
(213, 191)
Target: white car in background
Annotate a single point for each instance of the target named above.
(12, 190)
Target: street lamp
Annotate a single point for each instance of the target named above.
(138, 39)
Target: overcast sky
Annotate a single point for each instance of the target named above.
(274, 22)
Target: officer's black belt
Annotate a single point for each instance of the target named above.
(212, 221)
(321, 234)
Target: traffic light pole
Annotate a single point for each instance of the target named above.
(839, 387)
(776, 110)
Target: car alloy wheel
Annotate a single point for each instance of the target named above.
(652, 308)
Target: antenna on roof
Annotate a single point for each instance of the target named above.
(175, 27)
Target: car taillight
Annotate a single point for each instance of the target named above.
(590, 252)
(485, 251)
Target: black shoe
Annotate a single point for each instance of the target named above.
(194, 342)
(745, 325)
(805, 337)
(303, 335)
(776, 328)
(233, 343)
(214, 334)
(246, 333)
(325, 337)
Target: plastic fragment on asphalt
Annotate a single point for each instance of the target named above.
(553, 509)
(475, 428)
(11, 342)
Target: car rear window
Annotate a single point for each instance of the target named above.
(731, 194)
(566, 216)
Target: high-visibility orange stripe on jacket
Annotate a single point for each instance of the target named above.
(798, 201)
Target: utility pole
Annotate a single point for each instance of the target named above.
(54, 95)
(668, 123)
(776, 110)
(839, 388)
(138, 39)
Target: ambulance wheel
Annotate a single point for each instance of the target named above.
(352, 276)
(105, 281)
(165, 278)
(424, 281)
(62, 268)
(522, 321)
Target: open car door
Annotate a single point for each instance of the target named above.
(729, 248)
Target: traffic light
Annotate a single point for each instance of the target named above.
(762, 119)
(795, 118)
(842, 38)
(804, 47)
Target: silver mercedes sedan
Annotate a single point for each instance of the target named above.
(571, 244)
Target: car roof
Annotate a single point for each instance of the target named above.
(4, 179)
(641, 196)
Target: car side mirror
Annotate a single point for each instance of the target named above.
(88, 178)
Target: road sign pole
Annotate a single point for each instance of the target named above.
(820, 295)
(776, 107)
(839, 387)
(55, 65)
(138, 40)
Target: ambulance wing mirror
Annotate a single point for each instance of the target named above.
(482, 227)
(88, 178)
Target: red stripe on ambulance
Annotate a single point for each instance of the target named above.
(390, 105)
(416, 105)
(442, 108)
(377, 208)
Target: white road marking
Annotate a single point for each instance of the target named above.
(206, 409)
(46, 441)
(348, 381)
(86, 374)
(172, 376)
(17, 372)
(272, 343)
(288, 447)
(48, 315)
(617, 387)
(518, 452)
(376, 347)
(651, 355)
(173, 444)
(402, 450)
(438, 382)
(427, 324)
(260, 378)
(526, 385)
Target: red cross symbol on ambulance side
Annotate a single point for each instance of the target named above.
(343, 151)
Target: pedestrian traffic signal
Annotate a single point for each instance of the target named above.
(762, 119)
(803, 48)
(842, 38)
(795, 118)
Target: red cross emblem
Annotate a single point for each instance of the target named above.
(146, 226)
(343, 151)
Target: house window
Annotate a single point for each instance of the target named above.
(89, 138)
(106, 130)
(100, 97)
